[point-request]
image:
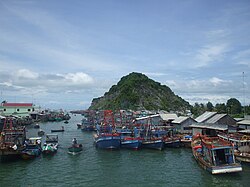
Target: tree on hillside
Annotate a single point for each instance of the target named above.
(210, 107)
(198, 109)
(234, 106)
(221, 108)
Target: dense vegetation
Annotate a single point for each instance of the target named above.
(233, 107)
(136, 91)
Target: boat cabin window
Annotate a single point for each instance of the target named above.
(222, 156)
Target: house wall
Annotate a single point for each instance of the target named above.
(21, 111)
(185, 125)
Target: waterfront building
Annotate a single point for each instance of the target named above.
(17, 109)
(182, 124)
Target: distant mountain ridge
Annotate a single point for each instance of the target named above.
(136, 91)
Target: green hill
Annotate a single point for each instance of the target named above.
(136, 91)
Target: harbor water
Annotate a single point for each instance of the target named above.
(94, 167)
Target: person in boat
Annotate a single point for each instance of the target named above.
(74, 141)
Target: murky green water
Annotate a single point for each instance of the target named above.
(93, 167)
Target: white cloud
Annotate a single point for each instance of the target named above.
(209, 54)
(216, 81)
(25, 73)
(78, 78)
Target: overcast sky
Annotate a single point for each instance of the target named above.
(62, 53)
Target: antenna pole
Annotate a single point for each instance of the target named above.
(244, 108)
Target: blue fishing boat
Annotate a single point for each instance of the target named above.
(215, 154)
(107, 140)
(153, 143)
(107, 136)
(88, 121)
(130, 139)
(32, 148)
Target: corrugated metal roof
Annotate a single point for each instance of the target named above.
(180, 119)
(215, 118)
(147, 117)
(206, 115)
(18, 104)
(167, 117)
(209, 126)
(244, 122)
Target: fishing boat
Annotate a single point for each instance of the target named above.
(58, 130)
(106, 136)
(11, 141)
(75, 148)
(107, 140)
(66, 121)
(153, 143)
(87, 125)
(186, 141)
(172, 142)
(32, 148)
(241, 143)
(51, 144)
(130, 139)
(151, 137)
(214, 154)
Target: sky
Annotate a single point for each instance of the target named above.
(62, 53)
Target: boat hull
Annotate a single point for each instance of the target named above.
(173, 143)
(9, 155)
(108, 142)
(153, 144)
(75, 149)
(59, 130)
(242, 157)
(131, 144)
(30, 154)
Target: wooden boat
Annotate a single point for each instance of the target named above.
(51, 144)
(58, 130)
(66, 121)
(11, 141)
(241, 144)
(172, 142)
(75, 149)
(186, 141)
(214, 154)
(32, 148)
(242, 157)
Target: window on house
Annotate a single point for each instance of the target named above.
(33, 109)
